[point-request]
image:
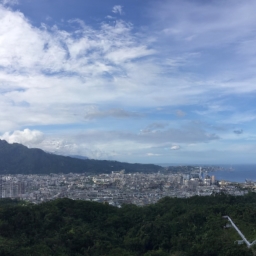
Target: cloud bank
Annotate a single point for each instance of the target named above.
(121, 89)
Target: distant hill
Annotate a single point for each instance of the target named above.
(18, 159)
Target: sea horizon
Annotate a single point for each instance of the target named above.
(228, 172)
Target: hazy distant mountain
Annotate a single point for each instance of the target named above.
(16, 158)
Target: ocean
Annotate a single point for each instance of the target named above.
(236, 173)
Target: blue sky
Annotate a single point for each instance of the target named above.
(138, 81)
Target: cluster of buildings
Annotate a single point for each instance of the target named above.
(116, 188)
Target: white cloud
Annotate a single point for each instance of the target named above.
(110, 17)
(26, 137)
(117, 9)
(152, 154)
(50, 50)
(52, 76)
(175, 147)
(52, 70)
(9, 2)
(211, 29)
(55, 69)
(85, 75)
(195, 21)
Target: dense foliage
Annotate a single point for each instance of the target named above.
(192, 226)
(18, 159)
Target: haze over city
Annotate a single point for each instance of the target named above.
(135, 81)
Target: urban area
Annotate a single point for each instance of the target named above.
(117, 188)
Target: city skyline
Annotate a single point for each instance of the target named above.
(148, 82)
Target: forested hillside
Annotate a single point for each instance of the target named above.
(192, 226)
(17, 159)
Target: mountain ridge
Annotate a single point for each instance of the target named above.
(18, 159)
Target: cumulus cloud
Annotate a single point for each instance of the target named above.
(49, 50)
(117, 9)
(175, 147)
(26, 137)
(53, 74)
(57, 72)
(102, 144)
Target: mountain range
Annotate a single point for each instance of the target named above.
(18, 159)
